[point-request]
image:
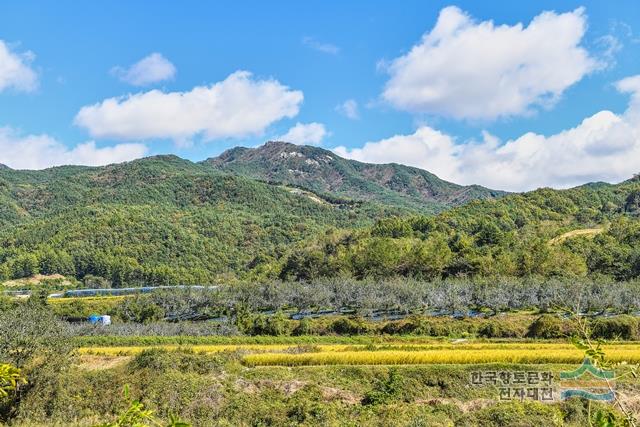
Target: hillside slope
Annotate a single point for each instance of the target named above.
(324, 172)
(156, 220)
(507, 237)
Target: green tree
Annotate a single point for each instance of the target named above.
(25, 265)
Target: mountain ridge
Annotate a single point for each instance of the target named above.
(323, 171)
(167, 220)
(158, 220)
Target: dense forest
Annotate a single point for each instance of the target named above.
(158, 220)
(165, 220)
(589, 230)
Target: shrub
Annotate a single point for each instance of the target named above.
(500, 329)
(620, 327)
(384, 390)
(546, 326)
(350, 326)
(139, 309)
(518, 414)
(399, 327)
(36, 342)
(430, 326)
(304, 327)
(10, 378)
(275, 325)
(160, 360)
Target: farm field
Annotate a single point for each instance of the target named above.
(213, 382)
(390, 352)
(218, 388)
(352, 368)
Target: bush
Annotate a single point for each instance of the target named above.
(304, 327)
(139, 309)
(547, 326)
(350, 326)
(500, 329)
(620, 327)
(384, 390)
(36, 342)
(275, 325)
(430, 326)
(81, 308)
(518, 414)
(402, 327)
(159, 360)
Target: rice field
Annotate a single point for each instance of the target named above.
(273, 348)
(103, 298)
(453, 356)
(393, 353)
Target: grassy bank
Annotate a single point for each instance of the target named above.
(218, 390)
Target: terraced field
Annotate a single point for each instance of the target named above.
(390, 353)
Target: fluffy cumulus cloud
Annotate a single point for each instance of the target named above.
(15, 70)
(349, 109)
(427, 148)
(603, 147)
(478, 70)
(238, 106)
(42, 151)
(150, 69)
(305, 133)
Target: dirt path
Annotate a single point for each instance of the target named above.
(574, 233)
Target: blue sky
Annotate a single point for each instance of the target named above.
(480, 100)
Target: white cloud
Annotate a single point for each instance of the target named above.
(236, 107)
(309, 134)
(151, 69)
(603, 147)
(427, 148)
(320, 47)
(15, 70)
(610, 45)
(42, 151)
(478, 70)
(349, 109)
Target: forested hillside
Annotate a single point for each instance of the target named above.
(165, 220)
(156, 220)
(589, 230)
(324, 172)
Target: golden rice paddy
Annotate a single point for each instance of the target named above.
(394, 353)
(133, 350)
(453, 356)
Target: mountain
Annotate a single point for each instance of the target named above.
(157, 220)
(166, 220)
(592, 230)
(323, 172)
